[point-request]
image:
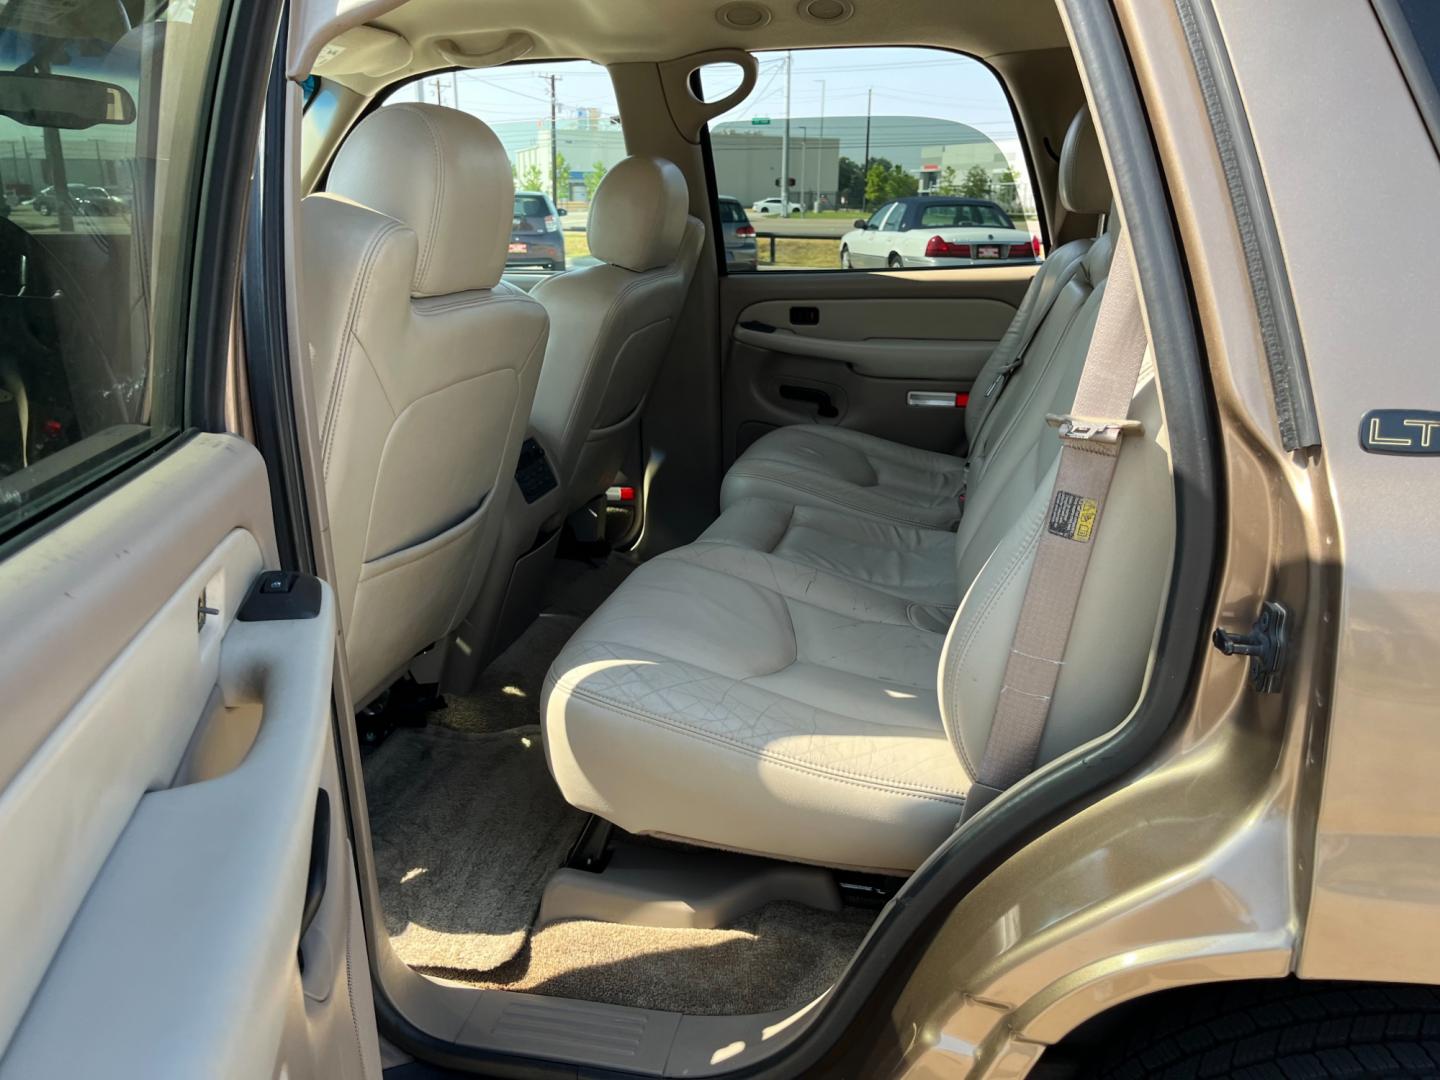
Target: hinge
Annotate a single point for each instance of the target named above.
(1265, 645)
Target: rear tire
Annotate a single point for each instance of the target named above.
(1281, 1029)
(894, 262)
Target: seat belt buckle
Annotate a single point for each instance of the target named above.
(1002, 376)
(1092, 429)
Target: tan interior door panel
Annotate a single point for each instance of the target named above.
(169, 783)
(854, 349)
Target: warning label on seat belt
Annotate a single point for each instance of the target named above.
(1073, 516)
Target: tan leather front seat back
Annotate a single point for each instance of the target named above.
(425, 369)
(611, 323)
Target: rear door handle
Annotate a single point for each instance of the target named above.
(824, 406)
(319, 873)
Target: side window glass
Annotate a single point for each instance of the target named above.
(861, 129)
(560, 126)
(103, 116)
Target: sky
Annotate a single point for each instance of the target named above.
(905, 82)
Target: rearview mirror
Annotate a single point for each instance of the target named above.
(63, 101)
(561, 211)
(861, 223)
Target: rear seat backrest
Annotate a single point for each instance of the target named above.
(1084, 189)
(1051, 374)
(1115, 624)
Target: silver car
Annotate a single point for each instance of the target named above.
(740, 247)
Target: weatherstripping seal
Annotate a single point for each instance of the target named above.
(1269, 282)
(842, 1035)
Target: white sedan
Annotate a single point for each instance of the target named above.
(772, 206)
(936, 230)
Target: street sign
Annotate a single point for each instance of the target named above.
(759, 121)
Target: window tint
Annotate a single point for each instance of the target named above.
(863, 127)
(560, 127)
(893, 217)
(732, 213)
(99, 195)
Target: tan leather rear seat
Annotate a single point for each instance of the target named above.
(801, 683)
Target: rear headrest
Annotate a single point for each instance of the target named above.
(443, 173)
(637, 217)
(1084, 184)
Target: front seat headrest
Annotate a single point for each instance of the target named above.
(443, 173)
(637, 217)
(1084, 183)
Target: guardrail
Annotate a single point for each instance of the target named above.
(798, 229)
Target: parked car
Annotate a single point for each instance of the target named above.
(106, 201)
(930, 230)
(740, 248)
(84, 200)
(772, 206)
(535, 235)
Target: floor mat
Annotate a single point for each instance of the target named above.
(779, 957)
(466, 829)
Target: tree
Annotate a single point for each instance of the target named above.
(877, 184)
(1007, 191)
(850, 182)
(534, 177)
(977, 183)
(593, 178)
(885, 181)
(949, 183)
(560, 184)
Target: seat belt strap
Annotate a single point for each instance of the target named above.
(1091, 437)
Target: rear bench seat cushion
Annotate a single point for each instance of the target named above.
(816, 465)
(729, 697)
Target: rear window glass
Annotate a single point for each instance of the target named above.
(1413, 27)
(963, 215)
(732, 213)
(532, 207)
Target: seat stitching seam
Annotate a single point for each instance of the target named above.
(952, 674)
(837, 775)
(832, 497)
(359, 292)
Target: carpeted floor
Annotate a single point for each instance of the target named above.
(507, 694)
(779, 957)
(466, 828)
(468, 825)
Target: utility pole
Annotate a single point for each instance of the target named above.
(785, 144)
(455, 89)
(554, 146)
(865, 165)
(820, 155)
(804, 144)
